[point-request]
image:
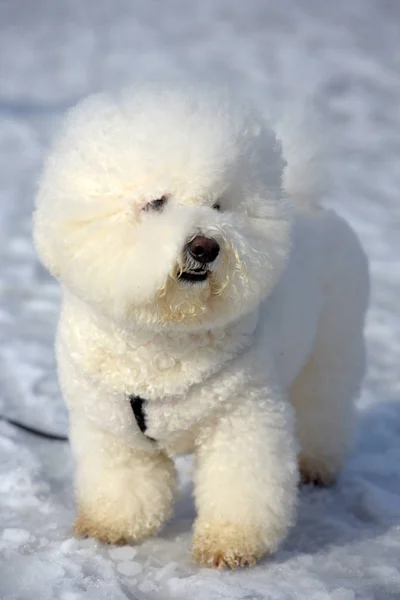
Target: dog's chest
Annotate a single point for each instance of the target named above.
(167, 403)
(169, 424)
(162, 368)
(178, 377)
(161, 373)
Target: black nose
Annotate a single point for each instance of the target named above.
(203, 249)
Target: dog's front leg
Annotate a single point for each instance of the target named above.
(245, 483)
(123, 494)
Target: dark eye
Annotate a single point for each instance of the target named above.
(156, 204)
(216, 206)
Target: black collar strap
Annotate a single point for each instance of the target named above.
(138, 405)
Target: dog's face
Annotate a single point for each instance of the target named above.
(164, 208)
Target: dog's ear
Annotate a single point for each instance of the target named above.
(306, 176)
(68, 175)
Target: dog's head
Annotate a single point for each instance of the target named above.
(164, 207)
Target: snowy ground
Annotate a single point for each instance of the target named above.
(344, 57)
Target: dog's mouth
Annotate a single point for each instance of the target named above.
(194, 275)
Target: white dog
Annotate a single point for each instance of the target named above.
(205, 294)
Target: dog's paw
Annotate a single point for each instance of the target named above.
(114, 529)
(108, 533)
(219, 545)
(316, 472)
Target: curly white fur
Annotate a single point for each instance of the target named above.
(278, 322)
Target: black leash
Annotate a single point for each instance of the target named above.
(137, 403)
(38, 432)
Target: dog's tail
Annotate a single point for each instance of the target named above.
(305, 178)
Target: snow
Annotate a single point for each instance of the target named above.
(125, 553)
(341, 59)
(129, 568)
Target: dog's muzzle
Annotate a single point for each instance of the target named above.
(199, 253)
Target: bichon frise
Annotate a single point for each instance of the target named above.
(210, 305)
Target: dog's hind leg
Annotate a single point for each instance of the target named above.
(323, 397)
(324, 392)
